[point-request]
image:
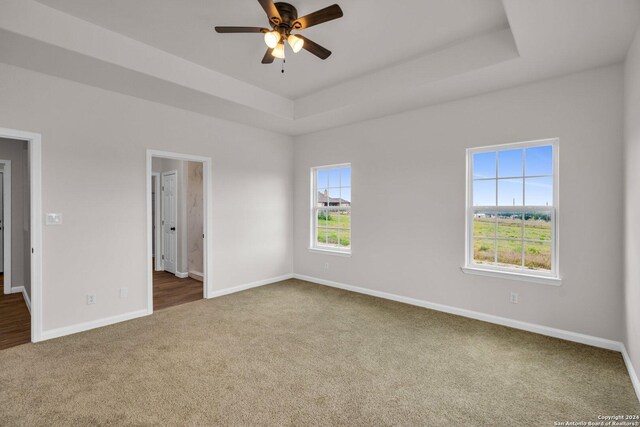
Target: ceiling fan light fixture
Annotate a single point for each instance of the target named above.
(272, 38)
(283, 18)
(296, 43)
(278, 51)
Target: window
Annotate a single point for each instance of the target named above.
(512, 208)
(331, 208)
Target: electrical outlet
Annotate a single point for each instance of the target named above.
(124, 292)
(326, 266)
(514, 298)
(91, 299)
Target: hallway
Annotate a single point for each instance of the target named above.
(15, 320)
(169, 290)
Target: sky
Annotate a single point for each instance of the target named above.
(535, 172)
(337, 181)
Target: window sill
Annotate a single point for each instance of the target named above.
(545, 280)
(330, 252)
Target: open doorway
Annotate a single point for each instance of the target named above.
(15, 243)
(177, 205)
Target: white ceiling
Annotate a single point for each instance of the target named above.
(371, 35)
(421, 53)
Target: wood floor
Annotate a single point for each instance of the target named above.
(15, 320)
(169, 290)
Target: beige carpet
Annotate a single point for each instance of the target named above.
(296, 353)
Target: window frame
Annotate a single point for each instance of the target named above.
(547, 277)
(313, 244)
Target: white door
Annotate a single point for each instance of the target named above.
(169, 221)
(1, 222)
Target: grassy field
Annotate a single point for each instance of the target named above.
(537, 255)
(512, 228)
(332, 235)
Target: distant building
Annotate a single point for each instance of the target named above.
(325, 200)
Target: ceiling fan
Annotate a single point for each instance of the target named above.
(283, 19)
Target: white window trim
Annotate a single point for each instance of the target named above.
(550, 278)
(313, 242)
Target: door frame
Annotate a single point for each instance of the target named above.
(207, 279)
(6, 215)
(159, 266)
(175, 215)
(34, 143)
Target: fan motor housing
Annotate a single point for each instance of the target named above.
(288, 13)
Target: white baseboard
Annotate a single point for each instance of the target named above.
(517, 324)
(227, 291)
(196, 275)
(81, 327)
(182, 275)
(23, 290)
(632, 372)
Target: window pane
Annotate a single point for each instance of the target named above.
(334, 197)
(484, 193)
(510, 252)
(345, 239)
(323, 196)
(332, 218)
(334, 177)
(510, 163)
(323, 217)
(510, 192)
(510, 225)
(484, 224)
(537, 256)
(332, 237)
(539, 191)
(484, 251)
(484, 165)
(539, 161)
(323, 178)
(537, 226)
(322, 236)
(345, 195)
(345, 177)
(343, 219)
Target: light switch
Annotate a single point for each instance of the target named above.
(54, 219)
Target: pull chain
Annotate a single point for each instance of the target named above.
(283, 61)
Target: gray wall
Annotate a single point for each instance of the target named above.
(408, 209)
(632, 181)
(17, 152)
(94, 146)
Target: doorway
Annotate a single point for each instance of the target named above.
(2, 226)
(178, 225)
(20, 237)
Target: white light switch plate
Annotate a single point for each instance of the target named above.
(54, 219)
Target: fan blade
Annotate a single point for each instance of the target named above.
(318, 17)
(268, 57)
(241, 30)
(271, 10)
(315, 48)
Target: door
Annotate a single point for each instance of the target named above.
(169, 221)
